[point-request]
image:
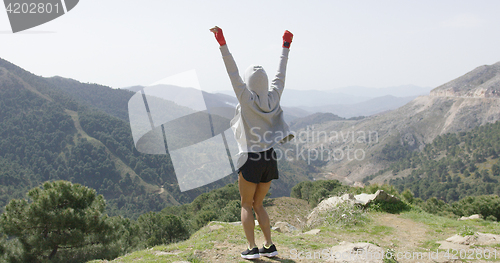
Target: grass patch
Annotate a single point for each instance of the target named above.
(442, 224)
(389, 256)
(344, 216)
(430, 244)
(381, 230)
(466, 230)
(194, 258)
(302, 243)
(188, 250)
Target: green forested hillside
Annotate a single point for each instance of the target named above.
(453, 166)
(61, 129)
(46, 135)
(33, 132)
(106, 99)
(39, 142)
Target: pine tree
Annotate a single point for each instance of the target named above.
(59, 216)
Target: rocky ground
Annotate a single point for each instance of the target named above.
(411, 236)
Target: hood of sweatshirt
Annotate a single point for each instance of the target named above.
(256, 80)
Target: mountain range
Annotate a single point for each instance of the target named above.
(182, 95)
(347, 102)
(59, 128)
(460, 105)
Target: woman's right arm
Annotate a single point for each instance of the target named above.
(239, 87)
(278, 83)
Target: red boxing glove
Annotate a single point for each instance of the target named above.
(218, 35)
(287, 39)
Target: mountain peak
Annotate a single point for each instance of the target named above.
(482, 82)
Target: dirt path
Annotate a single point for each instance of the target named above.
(408, 235)
(120, 165)
(408, 239)
(399, 234)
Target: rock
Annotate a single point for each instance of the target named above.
(487, 239)
(215, 227)
(445, 245)
(357, 253)
(164, 253)
(327, 205)
(458, 239)
(284, 227)
(238, 223)
(380, 195)
(312, 232)
(333, 202)
(358, 184)
(476, 216)
(476, 239)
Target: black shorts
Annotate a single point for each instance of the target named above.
(260, 167)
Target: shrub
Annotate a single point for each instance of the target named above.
(407, 196)
(388, 207)
(314, 192)
(202, 218)
(231, 212)
(485, 205)
(159, 228)
(491, 218)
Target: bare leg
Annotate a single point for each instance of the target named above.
(247, 192)
(260, 212)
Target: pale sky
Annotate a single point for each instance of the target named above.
(122, 43)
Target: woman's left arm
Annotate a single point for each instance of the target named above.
(239, 87)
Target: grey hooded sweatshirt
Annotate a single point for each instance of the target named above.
(258, 124)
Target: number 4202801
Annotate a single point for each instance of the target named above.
(33, 8)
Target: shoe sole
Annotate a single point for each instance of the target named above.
(251, 256)
(270, 255)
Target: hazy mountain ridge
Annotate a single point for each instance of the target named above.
(347, 102)
(365, 108)
(215, 100)
(396, 91)
(343, 95)
(304, 98)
